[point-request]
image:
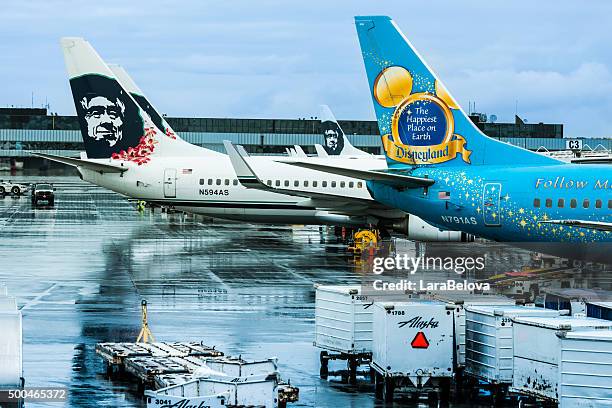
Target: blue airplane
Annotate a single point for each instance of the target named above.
(443, 169)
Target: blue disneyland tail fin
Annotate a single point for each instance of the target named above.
(420, 122)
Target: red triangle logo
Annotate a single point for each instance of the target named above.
(420, 341)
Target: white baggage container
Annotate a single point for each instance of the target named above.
(460, 301)
(8, 303)
(585, 369)
(11, 344)
(343, 319)
(489, 349)
(258, 391)
(412, 345)
(538, 354)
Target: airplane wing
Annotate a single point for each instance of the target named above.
(394, 179)
(88, 164)
(596, 225)
(248, 178)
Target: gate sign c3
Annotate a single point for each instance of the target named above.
(573, 144)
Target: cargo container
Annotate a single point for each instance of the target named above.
(460, 301)
(343, 326)
(489, 349)
(599, 310)
(544, 357)
(217, 392)
(585, 369)
(412, 347)
(574, 300)
(11, 344)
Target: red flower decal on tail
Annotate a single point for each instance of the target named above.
(141, 152)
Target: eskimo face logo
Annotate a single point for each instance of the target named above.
(104, 118)
(334, 138)
(110, 121)
(422, 122)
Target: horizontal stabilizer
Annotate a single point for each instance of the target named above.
(321, 151)
(394, 179)
(595, 225)
(88, 164)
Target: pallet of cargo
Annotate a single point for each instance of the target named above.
(169, 380)
(115, 354)
(148, 367)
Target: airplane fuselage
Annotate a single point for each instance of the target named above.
(208, 186)
(506, 203)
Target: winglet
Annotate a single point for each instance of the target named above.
(246, 175)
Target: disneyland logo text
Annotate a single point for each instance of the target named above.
(459, 265)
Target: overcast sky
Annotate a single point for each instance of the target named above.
(281, 58)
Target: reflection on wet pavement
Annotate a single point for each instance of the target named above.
(81, 268)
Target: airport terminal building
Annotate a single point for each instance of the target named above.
(24, 130)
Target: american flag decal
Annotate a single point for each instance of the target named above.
(187, 171)
(444, 195)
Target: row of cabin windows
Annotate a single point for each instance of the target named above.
(219, 182)
(286, 183)
(315, 183)
(586, 203)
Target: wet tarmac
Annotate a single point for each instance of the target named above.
(81, 269)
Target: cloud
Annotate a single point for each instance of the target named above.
(273, 58)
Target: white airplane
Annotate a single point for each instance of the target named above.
(130, 149)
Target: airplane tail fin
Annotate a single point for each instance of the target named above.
(126, 81)
(112, 123)
(335, 141)
(420, 122)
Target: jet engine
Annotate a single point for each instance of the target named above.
(418, 230)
